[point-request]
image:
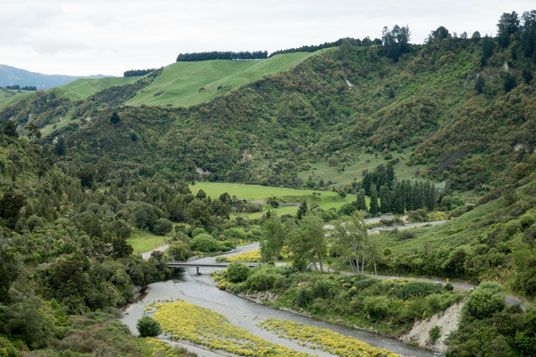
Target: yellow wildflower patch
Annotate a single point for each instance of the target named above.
(323, 339)
(252, 256)
(202, 326)
(160, 348)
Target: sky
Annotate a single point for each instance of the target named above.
(86, 37)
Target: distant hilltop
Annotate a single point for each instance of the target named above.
(12, 76)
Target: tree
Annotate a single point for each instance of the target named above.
(11, 203)
(487, 49)
(162, 227)
(10, 129)
(385, 199)
(115, 119)
(33, 131)
(352, 236)
(273, 238)
(308, 239)
(180, 251)
(302, 210)
(361, 201)
(374, 208)
(509, 82)
(399, 202)
(121, 248)
(440, 33)
(508, 25)
(480, 83)
(396, 41)
(201, 195)
(59, 146)
(148, 327)
(484, 301)
(527, 75)
(237, 272)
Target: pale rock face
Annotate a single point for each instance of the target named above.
(448, 322)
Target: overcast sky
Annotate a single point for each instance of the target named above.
(110, 36)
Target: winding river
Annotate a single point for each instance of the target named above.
(202, 291)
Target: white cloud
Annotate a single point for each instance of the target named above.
(82, 37)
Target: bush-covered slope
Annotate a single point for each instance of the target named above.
(331, 108)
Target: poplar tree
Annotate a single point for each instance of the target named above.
(374, 200)
(385, 199)
(361, 201)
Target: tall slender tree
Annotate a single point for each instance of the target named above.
(374, 208)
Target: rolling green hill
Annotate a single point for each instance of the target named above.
(190, 83)
(11, 97)
(83, 88)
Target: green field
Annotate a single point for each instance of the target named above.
(10, 97)
(83, 88)
(353, 171)
(324, 199)
(142, 241)
(452, 234)
(190, 83)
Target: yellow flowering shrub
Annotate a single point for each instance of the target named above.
(252, 256)
(185, 321)
(323, 339)
(160, 348)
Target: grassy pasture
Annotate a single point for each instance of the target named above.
(353, 170)
(324, 199)
(190, 83)
(10, 97)
(143, 241)
(84, 87)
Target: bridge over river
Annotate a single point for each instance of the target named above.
(204, 265)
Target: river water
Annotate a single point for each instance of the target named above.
(202, 291)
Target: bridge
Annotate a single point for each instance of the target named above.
(204, 265)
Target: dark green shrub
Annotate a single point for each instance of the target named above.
(262, 279)
(376, 307)
(512, 227)
(418, 289)
(6, 348)
(484, 301)
(323, 288)
(180, 251)
(204, 243)
(148, 327)
(162, 227)
(303, 296)
(435, 333)
(237, 272)
(197, 231)
(527, 220)
(226, 246)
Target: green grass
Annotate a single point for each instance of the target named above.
(47, 130)
(143, 241)
(11, 97)
(180, 83)
(353, 171)
(452, 234)
(324, 199)
(83, 88)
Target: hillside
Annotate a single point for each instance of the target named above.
(190, 83)
(334, 115)
(10, 97)
(16, 76)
